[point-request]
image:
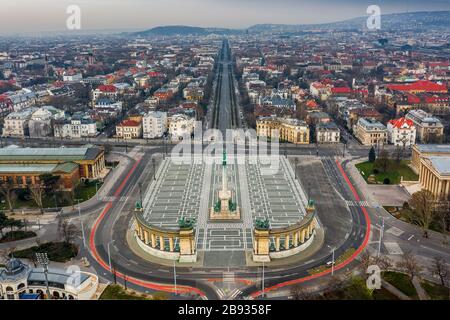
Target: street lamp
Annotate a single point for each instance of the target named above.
(262, 284)
(96, 189)
(175, 277)
(140, 191)
(109, 255)
(81, 222)
(332, 259)
(381, 236)
(42, 259)
(154, 172)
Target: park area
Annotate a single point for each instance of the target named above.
(389, 172)
(24, 199)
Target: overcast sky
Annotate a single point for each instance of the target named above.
(50, 15)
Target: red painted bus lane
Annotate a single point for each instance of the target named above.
(142, 283)
(342, 264)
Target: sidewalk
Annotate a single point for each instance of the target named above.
(420, 291)
(389, 287)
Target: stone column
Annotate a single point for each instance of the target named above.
(447, 188)
(286, 241)
(277, 243)
(296, 239)
(153, 240)
(302, 235)
(145, 237)
(161, 243)
(171, 244)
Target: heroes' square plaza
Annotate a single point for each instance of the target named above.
(247, 207)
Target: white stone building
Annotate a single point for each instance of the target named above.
(327, 133)
(180, 126)
(401, 132)
(154, 124)
(42, 120)
(78, 126)
(17, 123)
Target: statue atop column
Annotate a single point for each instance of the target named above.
(225, 208)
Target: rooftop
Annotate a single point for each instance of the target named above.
(441, 164)
(38, 154)
(434, 148)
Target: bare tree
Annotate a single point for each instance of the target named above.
(7, 190)
(365, 261)
(440, 269)
(67, 231)
(409, 264)
(382, 161)
(422, 213)
(37, 192)
(383, 262)
(299, 293)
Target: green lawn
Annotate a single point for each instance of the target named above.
(56, 251)
(436, 291)
(394, 172)
(402, 282)
(86, 190)
(357, 290)
(116, 292)
(17, 235)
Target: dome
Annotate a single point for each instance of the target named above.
(14, 266)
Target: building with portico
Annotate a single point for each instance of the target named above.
(90, 160)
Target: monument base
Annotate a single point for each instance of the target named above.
(188, 258)
(261, 258)
(225, 215)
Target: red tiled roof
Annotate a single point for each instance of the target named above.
(341, 90)
(399, 123)
(129, 123)
(422, 85)
(107, 88)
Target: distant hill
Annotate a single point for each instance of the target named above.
(396, 21)
(184, 31)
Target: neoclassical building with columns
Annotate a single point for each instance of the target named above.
(90, 160)
(435, 176)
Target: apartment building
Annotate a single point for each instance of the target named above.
(154, 124)
(370, 132)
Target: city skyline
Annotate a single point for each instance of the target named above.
(139, 14)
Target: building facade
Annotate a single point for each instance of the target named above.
(290, 130)
(20, 281)
(90, 161)
(129, 129)
(327, 133)
(401, 132)
(17, 123)
(154, 124)
(370, 132)
(180, 126)
(434, 176)
(77, 126)
(429, 128)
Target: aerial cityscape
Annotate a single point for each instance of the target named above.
(195, 160)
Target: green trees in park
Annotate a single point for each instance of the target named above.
(372, 156)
